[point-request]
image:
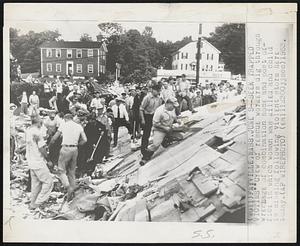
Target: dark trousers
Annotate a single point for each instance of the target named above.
(188, 100)
(59, 102)
(146, 131)
(118, 123)
(135, 124)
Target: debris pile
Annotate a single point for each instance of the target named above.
(201, 178)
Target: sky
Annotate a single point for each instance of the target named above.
(72, 30)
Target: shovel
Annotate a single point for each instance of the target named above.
(92, 155)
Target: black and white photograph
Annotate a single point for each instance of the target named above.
(127, 122)
(126, 116)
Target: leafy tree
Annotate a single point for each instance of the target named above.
(26, 48)
(86, 37)
(230, 40)
(108, 29)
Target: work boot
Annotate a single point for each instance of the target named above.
(194, 111)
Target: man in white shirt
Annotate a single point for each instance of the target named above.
(36, 155)
(167, 91)
(72, 136)
(183, 92)
(96, 102)
(121, 118)
(34, 102)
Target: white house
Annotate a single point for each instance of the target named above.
(184, 62)
(184, 59)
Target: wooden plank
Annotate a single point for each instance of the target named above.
(205, 211)
(165, 211)
(233, 157)
(240, 148)
(206, 186)
(141, 213)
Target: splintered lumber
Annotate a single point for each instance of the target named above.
(165, 211)
(111, 165)
(206, 186)
(190, 189)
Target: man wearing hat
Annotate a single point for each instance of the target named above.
(121, 118)
(163, 120)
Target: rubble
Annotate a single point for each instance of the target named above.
(199, 178)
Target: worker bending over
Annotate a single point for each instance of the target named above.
(163, 120)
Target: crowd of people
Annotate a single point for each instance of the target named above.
(83, 127)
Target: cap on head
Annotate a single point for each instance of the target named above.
(183, 76)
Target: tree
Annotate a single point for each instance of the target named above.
(230, 40)
(108, 29)
(26, 48)
(86, 37)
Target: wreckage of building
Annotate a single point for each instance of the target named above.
(199, 179)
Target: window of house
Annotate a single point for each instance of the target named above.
(90, 68)
(49, 67)
(206, 69)
(211, 67)
(176, 66)
(79, 53)
(181, 66)
(203, 68)
(181, 55)
(49, 52)
(177, 56)
(90, 52)
(186, 55)
(207, 57)
(58, 52)
(186, 66)
(79, 68)
(212, 56)
(69, 53)
(58, 67)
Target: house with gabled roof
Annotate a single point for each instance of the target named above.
(184, 61)
(73, 58)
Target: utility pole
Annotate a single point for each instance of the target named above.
(198, 55)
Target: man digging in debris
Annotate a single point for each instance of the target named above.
(163, 120)
(36, 154)
(72, 136)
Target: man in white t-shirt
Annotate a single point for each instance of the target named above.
(36, 155)
(72, 136)
(96, 102)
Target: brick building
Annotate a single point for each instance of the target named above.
(75, 58)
